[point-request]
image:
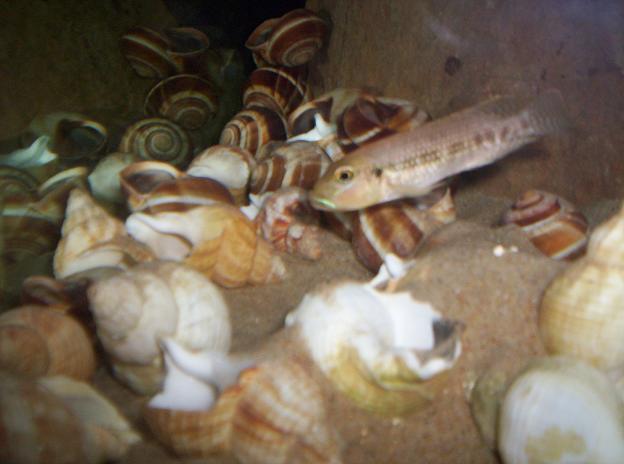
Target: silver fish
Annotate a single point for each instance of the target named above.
(412, 163)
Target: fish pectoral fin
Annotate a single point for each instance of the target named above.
(419, 189)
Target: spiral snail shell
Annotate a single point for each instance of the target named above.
(291, 40)
(554, 225)
(254, 127)
(278, 88)
(186, 48)
(146, 51)
(187, 99)
(157, 139)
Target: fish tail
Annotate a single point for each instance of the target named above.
(547, 114)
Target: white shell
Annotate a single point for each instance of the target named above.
(561, 411)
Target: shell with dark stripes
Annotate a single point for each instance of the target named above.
(291, 40)
(555, 226)
(146, 51)
(157, 139)
(278, 88)
(253, 127)
(281, 164)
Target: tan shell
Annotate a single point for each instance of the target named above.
(56, 420)
(104, 181)
(218, 240)
(581, 311)
(38, 341)
(93, 239)
(138, 179)
(274, 414)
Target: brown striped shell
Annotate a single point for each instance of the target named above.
(189, 100)
(397, 227)
(287, 221)
(554, 225)
(283, 164)
(138, 179)
(37, 341)
(291, 40)
(278, 88)
(157, 139)
(146, 51)
(254, 127)
(186, 48)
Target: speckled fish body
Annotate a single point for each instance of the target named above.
(412, 163)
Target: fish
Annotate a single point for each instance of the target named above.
(417, 161)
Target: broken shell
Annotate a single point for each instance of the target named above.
(133, 309)
(56, 420)
(92, 239)
(218, 240)
(580, 313)
(291, 40)
(277, 88)
(382, 350)
(37, 341)
(146, 51)
(273, 413)
(254, 127)
(104, 181)
(397, 227)
(553, 224)
(283, 164)
(157, 139)
(285, 220)
(186, 99)
(229, 165)
(560, 410)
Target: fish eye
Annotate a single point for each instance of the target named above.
(377, 171)
(344, 174)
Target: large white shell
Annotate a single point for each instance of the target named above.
(561, 410)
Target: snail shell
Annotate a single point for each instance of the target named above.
(229, 165)
(218, 240)
(188, 100)
(17, 182)
(382, 350)
(104, 181)
(291, 40)
(157, 139)
(37, 159)
(277, 88)
(272, 413)
(254, 127)
(54, 192)
(581, 313)
(56, 420)
(147, 52)
(37, 341)
(284, 164)
(92, 239)
(397, 227)
(553, 224)
(138, 179)
(133, 309)
(560, 410)
(284, 221)
(187, 48)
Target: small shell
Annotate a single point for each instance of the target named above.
(581, 313)
(157, 139)
(146, 51)
(283, 164)
(277, 88)
(561, 410)
(218, 240)
(291, 40)
(397, 227)
(56, 420)
(138, 179)
(186, 99)
(273, 413)
(37, 159)
(104, 180)
(284, 221)
(229, 165)
(37, 341)
(18, 182)
(73, 137)
(553, 224)
(254, 127)
(186, 48)
(133, 309)
(92, 239)
(380, 349)
(54, 192)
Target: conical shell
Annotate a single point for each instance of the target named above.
(380, 349)
(217, 240)
(93, 239)
(581, 313)
(37, 341)
(133, 309)
(561, 410)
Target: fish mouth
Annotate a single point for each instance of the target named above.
(322, 204)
